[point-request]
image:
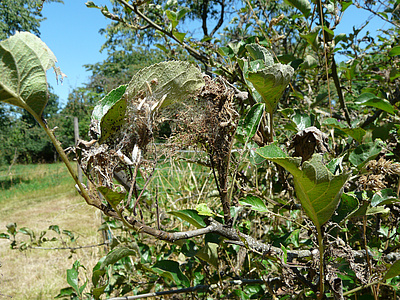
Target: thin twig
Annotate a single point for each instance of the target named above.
(69, 248)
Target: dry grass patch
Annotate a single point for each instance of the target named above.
(41, 196)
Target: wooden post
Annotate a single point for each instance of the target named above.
(76, 135)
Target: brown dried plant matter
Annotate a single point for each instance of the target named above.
(379, 175)
(206, 121)
(210, 123)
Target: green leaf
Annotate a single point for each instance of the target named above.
(369, 99)
(182, 12)
(384, 197)
(179, 35)
(27, 231)
(110, 112)
(255, 203)
(171, 15)
(11, 228)
(252, 121)
(393, 271)
(365, 152)
(209, 253)
(394, 51)
(91, 4)
(112, 197)
(55, 228)
(171, 270)
(345, 5)
(348, 204)
(309, 62)
(259, 52)
(72, 279)
(271, 82)
(191, 216)
(24, 60)
(204, 210)
(4, 236)
(115, 255)
(66, 292)
(303, 5)
(176, 80)
(356, 133)
(303, 121)
(317, 189)
(312, 37)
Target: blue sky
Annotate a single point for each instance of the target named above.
(72, 33)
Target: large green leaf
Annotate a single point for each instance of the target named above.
(303, 5)
(171, 270)
(110, 113)
(393, 271)
(259, 52)
(191, 216)
(369, 99)
(24, 60)
(271, 82)
(174, 80)
(252, 121)
(365, 152)
(115, 255)
(317, 189)
(254, 203)
(209, 253)
(356, 133)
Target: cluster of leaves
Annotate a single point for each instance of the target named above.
(335, 193)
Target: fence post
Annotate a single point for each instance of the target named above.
(76, 136)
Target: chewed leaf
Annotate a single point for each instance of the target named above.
(317, 189)
(110, 112)
(24, 60)
(177, 80)
(258, 52)
(271, 82)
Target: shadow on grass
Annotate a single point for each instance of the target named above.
(8, 183)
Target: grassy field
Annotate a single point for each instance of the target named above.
(37, 196)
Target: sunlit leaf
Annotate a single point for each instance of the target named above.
(115, 255)
(369, 99)
(176, 80)
(394, 51)
(258, 52)
(356, 133)
(110, 112)
(24, 60)
(191, 216)
(317, 189)
(303, 5)
(271, 82)
(385, 196)
(252, 121)
(254, 203)
(365, 152)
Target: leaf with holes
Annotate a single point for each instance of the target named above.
(317, 189)
(271, 82)
(108, 115)
(176, 80)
